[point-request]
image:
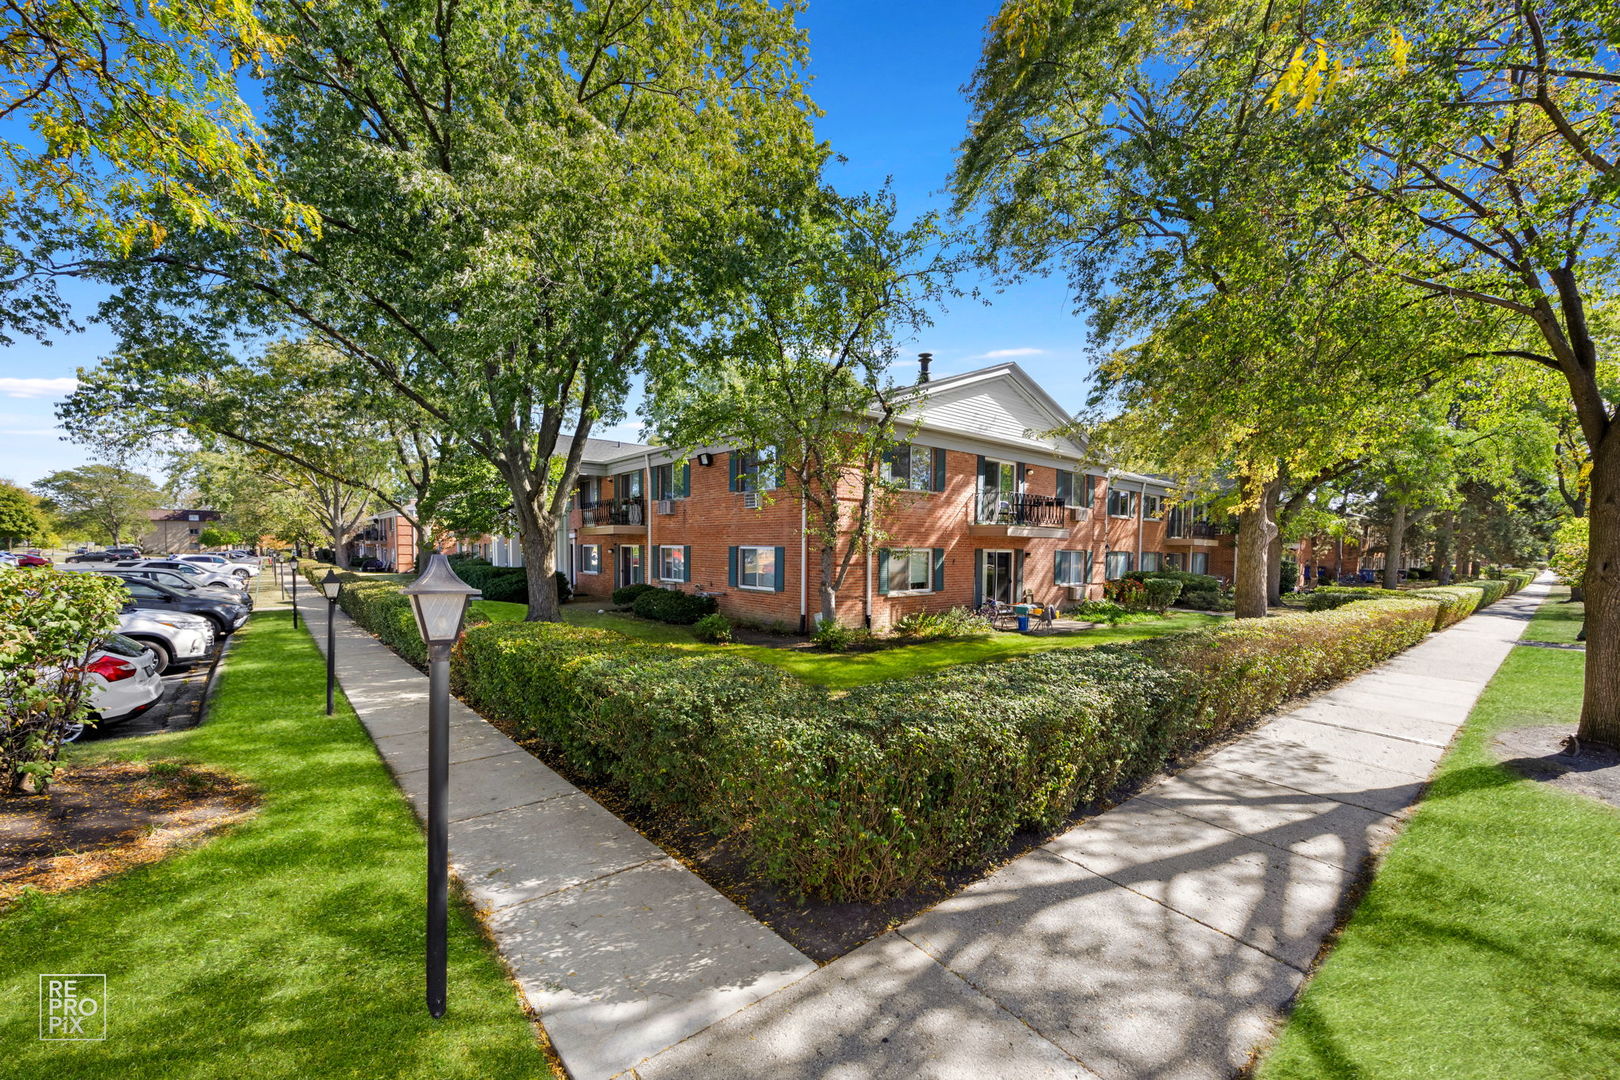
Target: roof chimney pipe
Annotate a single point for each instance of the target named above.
(923, 360)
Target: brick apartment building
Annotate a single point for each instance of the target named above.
(988, 509)
(176, 530)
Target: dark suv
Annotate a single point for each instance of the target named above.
(226, 615)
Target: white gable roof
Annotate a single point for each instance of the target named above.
(1000, 405)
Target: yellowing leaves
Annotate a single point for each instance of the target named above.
(1315, 73)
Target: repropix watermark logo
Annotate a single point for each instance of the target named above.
(72, 1008)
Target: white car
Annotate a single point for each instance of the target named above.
(174, 637)
(124, 681)
(7, 559)
(200, 575)
(220, 564)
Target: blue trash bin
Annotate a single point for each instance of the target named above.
(1023, 624)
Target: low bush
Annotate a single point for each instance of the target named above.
(1328, 597)
(1492, 588)
(1289, 575)
(1457, 602)
(1207, 600)
(714, 629)
(625, 595)
(933, 625)
(1103, 611)
(667, 605)
(1128, 593)
(832, 636)
(1159, 593)
(1190, 582)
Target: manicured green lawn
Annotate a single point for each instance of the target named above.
(290, 947)
(1487, 945)
(843, 670)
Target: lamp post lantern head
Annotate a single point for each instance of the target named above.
(439, 601)
(331, 585)
(293, 562)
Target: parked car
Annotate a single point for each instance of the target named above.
(371, 563)
(175, 579)
(125, 680)
(242, 570)
(177, 640)
(198, 574)
(125, 551)
(31, 560)
(226, 614)
(92, 556)
(7, 559)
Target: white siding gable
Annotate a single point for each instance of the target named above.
(995, 409)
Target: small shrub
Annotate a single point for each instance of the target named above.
(667, 605)
(1128, 592)
(1328, 597)
(714, 628)
(625, 595)
(565, 590)
(1103, 611)
(832, 636)
(1190, 582)
(1160, 593)
(1207, 600)
(1289, 575)
(934, 625)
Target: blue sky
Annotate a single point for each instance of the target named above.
(889, 78)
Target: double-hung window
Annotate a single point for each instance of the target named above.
(1116, 565)
(914, 468)
(672, 563)
(1072, 568)
(911, 570)
(590, 558)
(1121, 504)
(1198, 562)
(753, 470)
(1151, 560)
(756, 567)
(672, 480)
(1152, 508)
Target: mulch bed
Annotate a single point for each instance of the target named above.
(1547, 755)
(98, 820)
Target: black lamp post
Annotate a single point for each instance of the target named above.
(331, 585)
(439, 601)
(292, 563)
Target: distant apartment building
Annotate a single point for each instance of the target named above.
(176, 530)
(987, 508)
(388, 537)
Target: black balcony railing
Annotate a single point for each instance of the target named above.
(614, 512)
(1011, 508)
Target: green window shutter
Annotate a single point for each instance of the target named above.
(781, 569)
(735, 463)
(1065, 486)
(731, 567)
(683, 486)
(939, 568)
(883, 571)
(1018, 576)
(939, 468)
(978, 576)
(686, 561)
(1089, 496)
(1057, 566)
(1022, 473)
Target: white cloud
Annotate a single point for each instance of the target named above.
(37, 388)
(1008, 354)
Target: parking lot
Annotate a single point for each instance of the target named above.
(179, 708)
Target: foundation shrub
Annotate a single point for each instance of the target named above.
(1328, 597)
(1207, 600)
(713, 629)
(668, 605)
(932, 625)
(625, 595)
(1190, 582)
(381, 608)
(1160, 593)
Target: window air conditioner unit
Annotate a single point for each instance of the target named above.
(1079, 513)
(750, 500)
(666, 507)
(1077, 592)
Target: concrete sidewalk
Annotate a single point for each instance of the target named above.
(1160, 939)
(622, 950)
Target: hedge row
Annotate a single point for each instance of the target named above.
(380, 607)
(867, 793)
(864, 794)
(1456, 602)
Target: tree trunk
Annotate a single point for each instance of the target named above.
(1255, 530)
(1444, 544)
(1395, 548)
(826, 591)
(1274, 549)
(1600, 709)
(537, 533)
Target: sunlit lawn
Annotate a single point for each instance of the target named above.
(1487, 945)
(288, 948)
(844, 670)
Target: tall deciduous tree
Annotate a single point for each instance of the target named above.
(106, 500)
(798, 369)
(20, 516)
(522, 202)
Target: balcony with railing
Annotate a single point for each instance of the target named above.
(1011, 513)
(1183, 528)
(613, 515)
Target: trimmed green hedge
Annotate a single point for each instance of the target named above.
(867, 793)
(1457, 602)
(672, 606)
(380, 607)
